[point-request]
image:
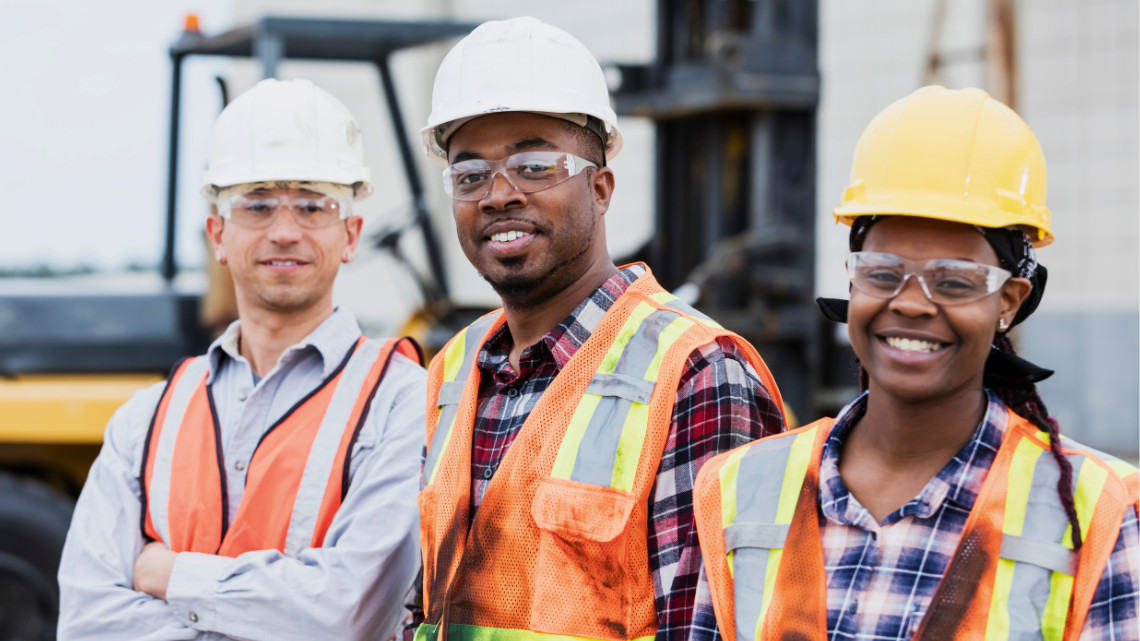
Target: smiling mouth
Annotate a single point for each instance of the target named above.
(282, 263)
(913, 345)
(508, 236)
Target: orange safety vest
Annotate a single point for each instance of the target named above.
(1014, 573)
(295, 479)
(559, 543)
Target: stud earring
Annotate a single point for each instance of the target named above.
(1002, 325)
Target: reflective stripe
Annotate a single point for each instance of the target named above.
(770, 536)
(457, 363)
(756, 496)
(429, 632)
(1021, 472)
(603, 442)
(727, 477)
(1052, 556)
(1122, 468)
(323, 452)
(158, 489)
(672, 302)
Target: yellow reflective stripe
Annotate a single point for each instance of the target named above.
(568, 450)
(1021, 468)
(453, 359)
(1090, 481)
(669, 335)
(443, 450)
(662, 298)
(798, 460)
(728, 473)
(630, 444)
(632, 324)
(428, 632)
(1057, 607)
(1123, 469)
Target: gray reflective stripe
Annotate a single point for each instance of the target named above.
(450, 393)
(323, 453)
(158, 489)
(758, 484)
(687, 309)
(1038, 552)
(472, 342)
(769, 536)
(1053, 556)
(594, 460)
(631, 388)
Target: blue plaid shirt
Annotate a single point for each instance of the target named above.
(881, 577)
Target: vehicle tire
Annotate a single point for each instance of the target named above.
(33, 526)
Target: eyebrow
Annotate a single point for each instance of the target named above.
(526, 144)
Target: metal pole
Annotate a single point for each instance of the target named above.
(169, 267)
(423, 219)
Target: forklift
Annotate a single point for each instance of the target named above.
(69, 357)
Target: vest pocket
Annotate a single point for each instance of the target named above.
(582, 572)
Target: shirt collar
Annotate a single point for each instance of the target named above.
(959, 481)
(563, 341)
(331, 340)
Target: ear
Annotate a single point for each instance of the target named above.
(214, 227)
(352, 226)
(1013, 294)
(602, 188)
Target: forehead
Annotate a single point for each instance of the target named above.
(498, 135)
(917, 238)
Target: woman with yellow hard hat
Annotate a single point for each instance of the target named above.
(942, 503)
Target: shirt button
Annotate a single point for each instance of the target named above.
(193, 617)
(242, 396)
(853, 607)
(239, 465)
(487, 472)
(512, 392)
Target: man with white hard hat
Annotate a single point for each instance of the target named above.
(266, 491)
(565, 430)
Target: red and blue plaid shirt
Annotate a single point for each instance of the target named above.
(881, 577)
(721, 404)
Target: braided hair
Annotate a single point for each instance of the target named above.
(1014, 249)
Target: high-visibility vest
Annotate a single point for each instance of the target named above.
(296, 477)
(1014, 573)
(558, 546)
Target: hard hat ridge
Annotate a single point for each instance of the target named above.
(286, 130)
(521, 64)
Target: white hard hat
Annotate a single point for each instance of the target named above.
(521, 64)
(286, 130)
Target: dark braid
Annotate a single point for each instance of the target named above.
(1027, 403)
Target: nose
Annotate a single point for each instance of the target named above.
(912, 299)
(284, 229)
(503, 195)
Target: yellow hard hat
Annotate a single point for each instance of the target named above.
(956, 155)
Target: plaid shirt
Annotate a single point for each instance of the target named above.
(881, 577)
(721, 404)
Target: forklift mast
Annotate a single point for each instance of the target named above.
(733, 93)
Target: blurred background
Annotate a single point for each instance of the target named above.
(740, 119)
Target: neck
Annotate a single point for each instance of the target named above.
(266, 335)
(901, 434)
(530, 323)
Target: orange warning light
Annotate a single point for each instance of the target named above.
(191, 25)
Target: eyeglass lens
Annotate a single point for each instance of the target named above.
(527, 172)
(259, 211)
(944, 281)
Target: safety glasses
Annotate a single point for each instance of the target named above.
(944, 281)
(528, 172)
(258, 209)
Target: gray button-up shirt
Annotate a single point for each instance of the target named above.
(352, 588)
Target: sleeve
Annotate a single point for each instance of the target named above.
(97, 601)
(354, 586)
(1113, 614)
(721, 404)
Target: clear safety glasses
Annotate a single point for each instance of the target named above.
(944, 281)
(528, 172)
(258, 209)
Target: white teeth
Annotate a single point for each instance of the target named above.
(283, 263)
(912, 345)
(508, 236)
